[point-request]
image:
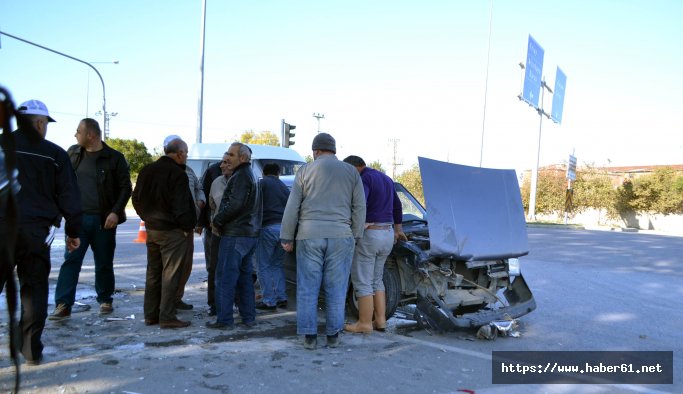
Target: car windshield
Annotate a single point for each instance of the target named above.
(412, 209)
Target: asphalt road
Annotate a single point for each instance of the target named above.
(595, 290)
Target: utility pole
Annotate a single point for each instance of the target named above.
(200, 109)
(486, 86)
(319, 116)
(394, 160)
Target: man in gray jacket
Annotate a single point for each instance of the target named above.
(325, 213)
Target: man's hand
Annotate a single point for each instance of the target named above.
(198, 230)
(399, 234)
(72, 243)
(201, 204)
(112, 221)
(288, 246)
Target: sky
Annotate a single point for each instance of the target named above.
(421, 74)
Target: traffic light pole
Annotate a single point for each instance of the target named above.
(282, 133)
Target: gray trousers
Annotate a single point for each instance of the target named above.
(166, 252)
(367, 269)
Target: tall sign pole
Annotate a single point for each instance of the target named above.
(534, 89)
(200, 109)
(533, 83)
(534, 171)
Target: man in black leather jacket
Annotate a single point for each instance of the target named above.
(162, 199)
(104, 181)
(238, 220)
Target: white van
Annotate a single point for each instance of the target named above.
(201, 156)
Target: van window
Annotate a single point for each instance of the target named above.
(287, 167)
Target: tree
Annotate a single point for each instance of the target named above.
(550, 191)
(412, 180)
(377, 165)
(134, 151)
(659, 192)
(593, 189)
(261, 138)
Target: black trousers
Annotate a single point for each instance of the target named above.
(32, 258)
(211, 268)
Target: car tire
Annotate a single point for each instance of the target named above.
(392, 288)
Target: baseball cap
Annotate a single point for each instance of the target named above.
(34, 107)
(170, 138)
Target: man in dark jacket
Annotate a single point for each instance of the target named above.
(162, 199)
(238, 222)
(269, 252)
(48, 192)
(104, 181)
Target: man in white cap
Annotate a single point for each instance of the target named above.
(325, 213)
(48, 192)
(162, 199)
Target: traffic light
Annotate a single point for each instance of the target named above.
(289, 135)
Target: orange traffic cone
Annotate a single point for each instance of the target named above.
(142, 234)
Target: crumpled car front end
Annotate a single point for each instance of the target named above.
(463, 268)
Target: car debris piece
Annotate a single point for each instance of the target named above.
(131, 317)
(502, 328)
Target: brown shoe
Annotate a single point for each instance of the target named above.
(106, 308)
(61, 312)
(174, 324)
(151, 322)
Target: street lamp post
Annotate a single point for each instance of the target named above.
(104, 95)
(87, 94)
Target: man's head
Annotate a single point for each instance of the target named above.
(356, 161)
(34, 114)
(323, 143)
(176, 149)
(88, 133)
(238, 153)
(224, 165)
(271, 169)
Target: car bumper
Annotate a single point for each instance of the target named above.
(519, 299)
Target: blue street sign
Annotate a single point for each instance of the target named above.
(558, 96)
(532, 75)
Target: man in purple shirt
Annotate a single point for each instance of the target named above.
(383, 227)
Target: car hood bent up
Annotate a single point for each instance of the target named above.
(474, 213)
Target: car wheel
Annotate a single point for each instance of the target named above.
(392, 287)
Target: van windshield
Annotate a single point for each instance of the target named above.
(287, 167)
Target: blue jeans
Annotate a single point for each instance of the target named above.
(234, 275)
(326, 262)
(102, 242)
(270, 255)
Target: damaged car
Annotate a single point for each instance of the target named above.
(460, 267)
